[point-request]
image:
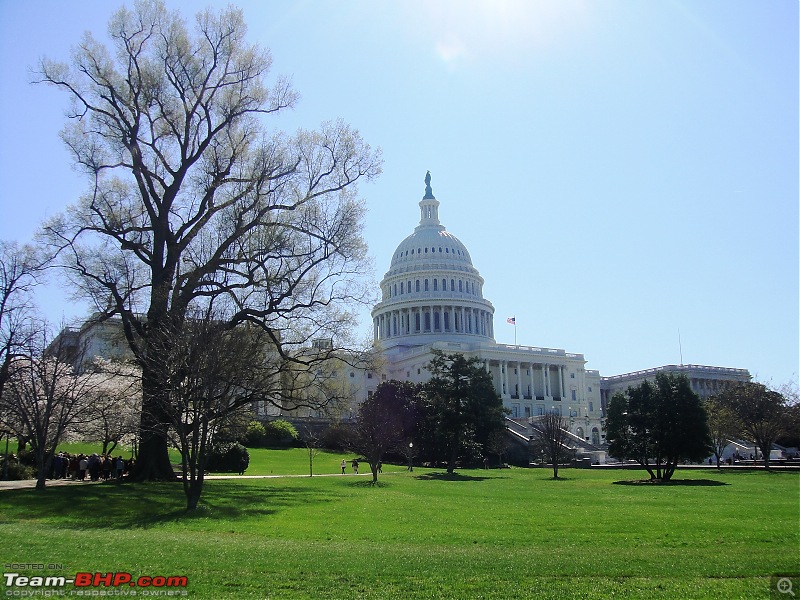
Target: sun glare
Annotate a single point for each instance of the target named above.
(497, 30)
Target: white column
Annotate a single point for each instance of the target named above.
(563, 387)
(533, 386)
(544, 380)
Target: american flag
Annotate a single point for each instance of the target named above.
(511, 320)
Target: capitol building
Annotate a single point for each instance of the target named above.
(432, 298)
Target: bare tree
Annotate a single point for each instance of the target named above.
(760, 411)
(191, 198)
(212, 371)
(498, 443)
(45, 396)
(19, 267)
(722, 425)
(313, 443)
(384, 421)
(550, 435)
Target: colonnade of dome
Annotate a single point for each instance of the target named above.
(431, 288)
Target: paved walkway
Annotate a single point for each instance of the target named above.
(31, 483)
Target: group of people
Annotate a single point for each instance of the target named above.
(354, 464)
(96, 467)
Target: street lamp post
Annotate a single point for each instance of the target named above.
(411, 456)
(5, 458)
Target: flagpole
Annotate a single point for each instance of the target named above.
(513, 321)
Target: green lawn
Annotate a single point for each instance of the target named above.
(481, 534)
(291, 461)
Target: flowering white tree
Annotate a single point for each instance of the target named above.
(114, 404)
(44, 396)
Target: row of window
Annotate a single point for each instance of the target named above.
(425, 285)
(454, 251)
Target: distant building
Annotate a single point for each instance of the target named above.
(94, 338)
(705, 381)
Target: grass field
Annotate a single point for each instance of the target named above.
(481, 534)
(292, 461)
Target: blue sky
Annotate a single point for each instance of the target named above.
(619, 170)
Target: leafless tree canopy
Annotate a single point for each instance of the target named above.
(551, 435)
(761, 413)
(192, 200)
(19, 267)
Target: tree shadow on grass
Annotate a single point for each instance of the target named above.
(144, 505)
(364, 483)
(673, 482)
(453, 477)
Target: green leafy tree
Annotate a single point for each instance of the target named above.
(192, 199)
(460, 407)
(761, 412)
(279, 433)
(254, 436)
(659, 425)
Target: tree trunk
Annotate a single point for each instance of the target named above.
(152, 460)
(193, 493)
(765, 452)
(44, 463)
(451, 462)
(374, 468)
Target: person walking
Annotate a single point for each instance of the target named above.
(344, 466)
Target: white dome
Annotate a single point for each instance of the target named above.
(431, 291)
(431, 243)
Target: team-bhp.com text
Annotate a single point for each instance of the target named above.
(93, 584)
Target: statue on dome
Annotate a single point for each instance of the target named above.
(428, 190)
